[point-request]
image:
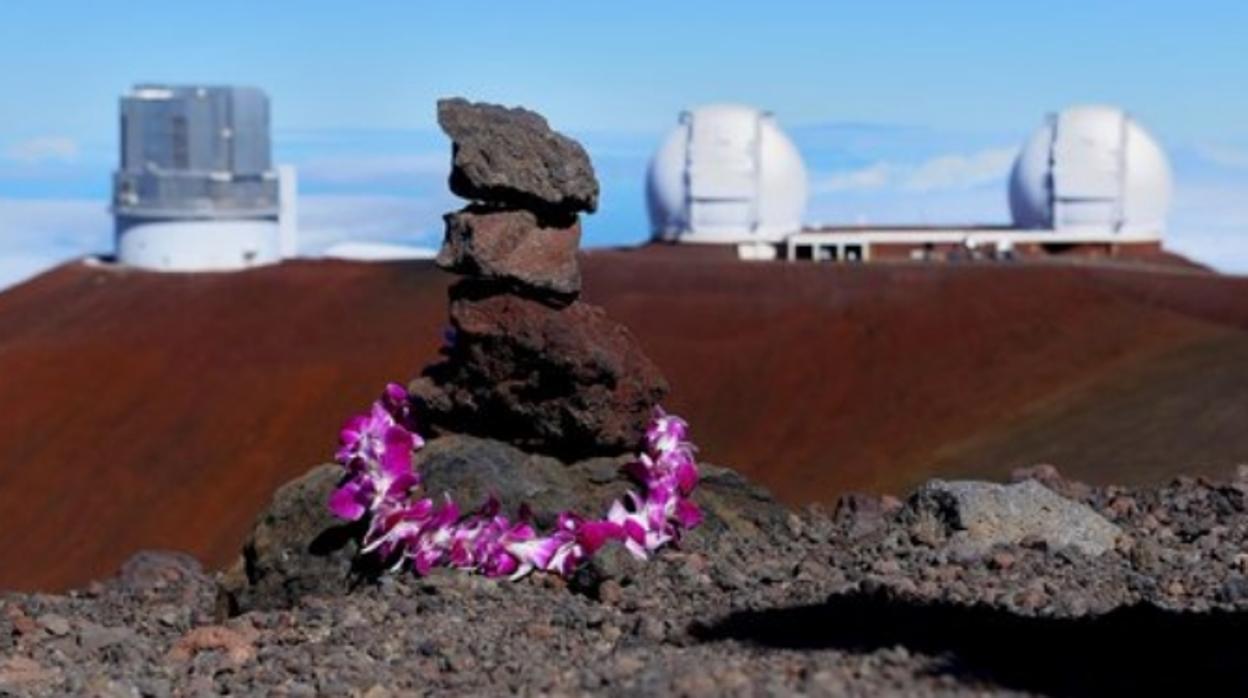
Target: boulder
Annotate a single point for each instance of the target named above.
(297, 547)
(514, 247)
(470, 469)
(513, 158)
(975, 516)
(861, 514)
(562, 381)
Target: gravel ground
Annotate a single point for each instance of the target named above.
(867, 600)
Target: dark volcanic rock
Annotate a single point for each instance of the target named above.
(471, 468)
(568, 382)
(513, 246)
(529, 364)
(296, 547)
(512, 157)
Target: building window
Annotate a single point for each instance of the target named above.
(181, 154)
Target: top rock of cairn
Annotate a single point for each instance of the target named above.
(512, 158)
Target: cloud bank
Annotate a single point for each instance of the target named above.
(43, 149)
(38, 234)
(941, 173)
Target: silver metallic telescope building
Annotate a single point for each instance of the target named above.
(196, 189)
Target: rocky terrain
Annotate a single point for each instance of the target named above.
(879, 596)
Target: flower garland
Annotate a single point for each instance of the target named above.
(376, 453)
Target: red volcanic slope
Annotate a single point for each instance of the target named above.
(147, 410)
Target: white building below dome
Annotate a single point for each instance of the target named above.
(726, 174)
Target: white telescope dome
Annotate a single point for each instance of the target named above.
(1091, 169)
(726, 174)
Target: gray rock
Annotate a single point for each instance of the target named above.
(150, 570)
(471, 468)
(296, 547)
(513, 158)
(54, 624)
(93, 637)
(979, 515)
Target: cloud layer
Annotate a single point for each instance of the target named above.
(38, 234)
(941, 173)
(43, 149)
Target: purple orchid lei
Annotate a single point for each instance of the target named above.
(381, 484)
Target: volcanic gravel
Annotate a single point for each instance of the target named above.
(860, 601)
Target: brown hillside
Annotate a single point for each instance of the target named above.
(146, 410)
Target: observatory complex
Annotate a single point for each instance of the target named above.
(1090, 181)
(196, 189)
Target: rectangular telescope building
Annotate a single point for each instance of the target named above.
(196, 189)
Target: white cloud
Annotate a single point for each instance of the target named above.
(961, 171)
(1223, 154)
(875, 176)
(43, 149)
(1209, 223)
(944, 173)
(38, 234)
(328, 219)
(355, 169)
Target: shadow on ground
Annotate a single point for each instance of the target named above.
(1136, 650)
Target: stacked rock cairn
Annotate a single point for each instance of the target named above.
(526, 360)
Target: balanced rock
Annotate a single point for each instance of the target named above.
(565, 381)
(975, 516)
(512, 157)
(514, 247)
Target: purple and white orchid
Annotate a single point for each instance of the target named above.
(376, 451)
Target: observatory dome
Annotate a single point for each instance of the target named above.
(726, 174)
(1091, 169)
(196, 189)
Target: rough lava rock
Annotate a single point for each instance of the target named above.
(527, 362)
(512, 157)
(513, 246)
(976, 516)
(564, 381)
(297, 547)
(471, 468)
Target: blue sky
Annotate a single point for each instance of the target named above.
(904, 111)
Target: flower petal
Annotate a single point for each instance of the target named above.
(688, 514)
(346, 502)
